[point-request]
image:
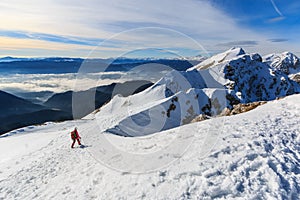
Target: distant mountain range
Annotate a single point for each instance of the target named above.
(11, 65)
(117, 60)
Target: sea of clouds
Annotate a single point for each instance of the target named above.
(57, 83)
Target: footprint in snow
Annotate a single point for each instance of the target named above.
(116, 157)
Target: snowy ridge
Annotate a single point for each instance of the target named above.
(174, 100)
(168, 113)
(256, 156)
(219, 58)
(232, 77)
(176, 81)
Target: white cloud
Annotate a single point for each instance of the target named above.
(102, 19)
(53, 82)
(58, 83)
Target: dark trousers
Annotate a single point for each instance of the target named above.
(74, 140)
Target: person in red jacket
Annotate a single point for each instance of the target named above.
(75, 136)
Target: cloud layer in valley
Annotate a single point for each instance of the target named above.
(16, 83)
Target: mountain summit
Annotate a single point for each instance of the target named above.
(219, 58)
(286, 62)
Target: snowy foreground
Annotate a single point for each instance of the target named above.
(254, 155)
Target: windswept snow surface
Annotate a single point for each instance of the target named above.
(254, 155)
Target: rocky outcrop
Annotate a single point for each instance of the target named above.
(241, 108)
(200, 118)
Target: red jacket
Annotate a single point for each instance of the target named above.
(75, 135)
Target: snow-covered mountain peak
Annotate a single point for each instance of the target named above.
(285, 62)
(219, 58)
(179, 96)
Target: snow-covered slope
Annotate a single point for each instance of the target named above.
(254, 155)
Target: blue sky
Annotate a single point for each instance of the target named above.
(279, 16)
(98, 28)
